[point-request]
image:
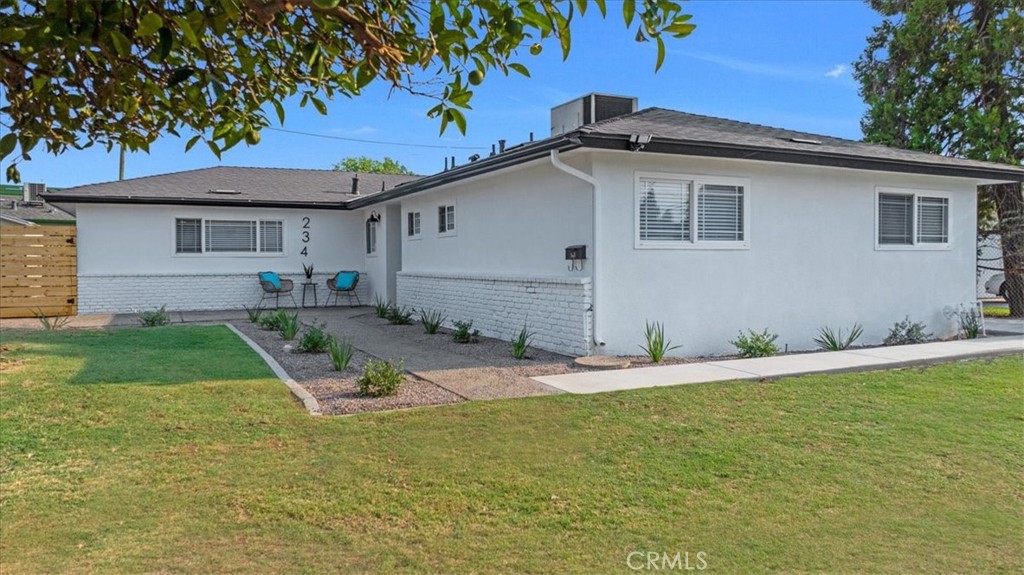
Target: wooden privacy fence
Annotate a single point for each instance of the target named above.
(38, 271)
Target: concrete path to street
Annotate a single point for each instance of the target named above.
(785, 365)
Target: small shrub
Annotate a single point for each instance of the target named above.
(464, 332)
(153, 318)
(314, 340)
(272, 321)
(432, 321)
(834, 341)
(52, 323)
(288, 325)
(340, 352)
(400, 315)
(906, 332)
(254, 313)
(657, 345)
(381, 378)
(756, 344)
(970, 322)
(381, 307)
(520, 342)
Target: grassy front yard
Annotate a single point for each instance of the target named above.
(173, 450)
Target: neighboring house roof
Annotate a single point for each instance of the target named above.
(37, 211)
(235, 186)
(14, 220)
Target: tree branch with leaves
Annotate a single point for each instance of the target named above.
(124, 72)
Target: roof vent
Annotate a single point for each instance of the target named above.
(224, 192)
(355, 185)
(587, 110)
(805, 141)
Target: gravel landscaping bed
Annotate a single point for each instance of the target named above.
(336, 390)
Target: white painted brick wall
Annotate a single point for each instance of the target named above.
(127, 293)
(557, 310)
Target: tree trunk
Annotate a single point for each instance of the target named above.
(1009, 200)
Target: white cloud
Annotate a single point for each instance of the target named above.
(748, 66)
(360, 131)
(836, 72)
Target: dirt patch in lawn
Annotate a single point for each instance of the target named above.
(336, 391)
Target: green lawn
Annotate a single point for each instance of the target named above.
(173, 450)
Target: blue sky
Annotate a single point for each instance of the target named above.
(784, 64)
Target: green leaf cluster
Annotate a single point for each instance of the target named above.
(124, 72)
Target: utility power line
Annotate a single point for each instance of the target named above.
(381, 142)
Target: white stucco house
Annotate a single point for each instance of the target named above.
(709, 225)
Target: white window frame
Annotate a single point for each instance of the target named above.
(916, 245)
(694, 181)
(418, 215)
(202, 238)
(453, 231)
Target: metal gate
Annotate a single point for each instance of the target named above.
(38, 271)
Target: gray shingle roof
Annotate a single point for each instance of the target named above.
(33, 211)
(696, 129)
(260, 186)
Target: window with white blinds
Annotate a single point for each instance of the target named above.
(720, 213)
(932, 220)
(188, 236)
(230, 236)
(909, 219)
(895, 219)
(198, 236)
(683, 211)
(664, 210)
(271, 236)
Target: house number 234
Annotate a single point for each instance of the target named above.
(305, 236)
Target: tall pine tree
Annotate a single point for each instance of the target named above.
(947, 77)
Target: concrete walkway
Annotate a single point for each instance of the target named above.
(784, 365)
(1004, 325)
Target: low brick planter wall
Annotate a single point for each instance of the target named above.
(557, 310)
(193, 292)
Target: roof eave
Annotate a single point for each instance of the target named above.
(179, 201)
(737, 151)
(504, 160)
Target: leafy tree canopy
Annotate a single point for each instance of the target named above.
(367, 165)
(947, 77)
(125, 71)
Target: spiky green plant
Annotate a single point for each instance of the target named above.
(381, 307)
(657, 344)
(254, 313)
(520, 342)
(51, 323)
(289, 325)
(432, 321)
(834, 341)
(340, 352)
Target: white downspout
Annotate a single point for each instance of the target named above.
(595, 258)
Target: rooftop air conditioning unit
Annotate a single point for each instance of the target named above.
(589, 109)
(30, 192)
